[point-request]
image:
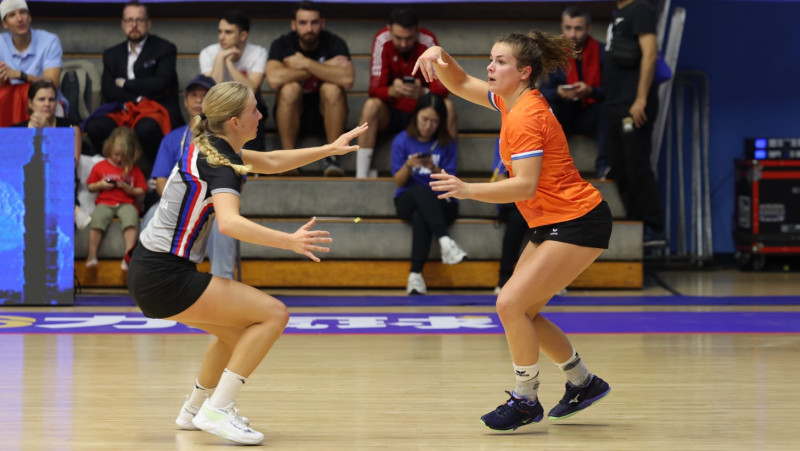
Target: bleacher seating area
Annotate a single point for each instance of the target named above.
(373, 251)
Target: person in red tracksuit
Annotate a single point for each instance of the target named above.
(393, 91)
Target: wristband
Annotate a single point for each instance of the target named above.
(23, 76)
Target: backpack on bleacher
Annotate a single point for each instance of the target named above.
(80, 85)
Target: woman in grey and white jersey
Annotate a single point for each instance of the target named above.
(163, 278)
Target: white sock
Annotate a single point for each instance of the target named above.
(363, 162)
(576, 372)
(527, 380)
(199, 394)
(229, 385)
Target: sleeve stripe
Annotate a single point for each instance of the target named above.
(528, 154)
(491, 100)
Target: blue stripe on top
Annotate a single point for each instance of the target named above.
(189, 199)
(491, 100)
(528, 154)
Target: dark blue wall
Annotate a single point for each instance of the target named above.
(750, 52)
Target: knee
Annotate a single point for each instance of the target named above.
(371, 108)
(290, 95)
(278, 315)
(506, 308)
(99, 127)
(331, 94)
(147, 127)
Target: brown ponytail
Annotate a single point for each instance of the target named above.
(542, 51)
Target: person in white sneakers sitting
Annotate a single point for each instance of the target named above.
(425, 147)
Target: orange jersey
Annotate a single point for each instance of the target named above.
(530, 130)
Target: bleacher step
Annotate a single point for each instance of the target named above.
(374, 274)
(387, 239)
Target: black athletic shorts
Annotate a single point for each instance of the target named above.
(590, 230)
(163, 284)
(311, 120)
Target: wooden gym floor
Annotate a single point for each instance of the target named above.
(679, 390)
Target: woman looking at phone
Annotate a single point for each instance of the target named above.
(425, 147)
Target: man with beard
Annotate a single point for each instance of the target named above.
(26, 55)
(139, 72)
(235, 59)
(310, 68)
(576, 96)
(393, 91)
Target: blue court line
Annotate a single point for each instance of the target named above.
(38, 322)
(481, 300)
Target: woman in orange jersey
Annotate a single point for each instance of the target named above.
(571, 221)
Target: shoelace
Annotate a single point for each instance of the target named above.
(510, 406)
(235, 411)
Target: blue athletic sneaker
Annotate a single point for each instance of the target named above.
(514, 413)
(578, 398)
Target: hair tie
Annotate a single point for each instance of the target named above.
(202, 116)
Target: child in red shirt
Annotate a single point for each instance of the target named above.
(120, 186)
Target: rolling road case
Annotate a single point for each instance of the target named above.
(767, 210)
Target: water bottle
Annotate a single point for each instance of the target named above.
(627, 125)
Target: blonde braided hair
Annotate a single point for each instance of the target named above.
(223, 101)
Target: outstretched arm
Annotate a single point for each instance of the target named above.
(231, 223)
(436, 64)
(279, 161)
(520, 187)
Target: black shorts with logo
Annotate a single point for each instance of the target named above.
(590, 230)
(163, 284)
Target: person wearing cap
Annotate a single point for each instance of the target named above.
(26, 54)
(221, 248)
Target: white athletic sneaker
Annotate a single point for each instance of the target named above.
(184, 420)
(416, 284)
(226, 423)
(451, 253)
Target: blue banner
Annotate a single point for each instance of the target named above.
(37, 202)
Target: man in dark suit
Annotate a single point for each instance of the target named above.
(139, 70)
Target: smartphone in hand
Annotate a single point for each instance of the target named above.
(409, 79)
(568, 87)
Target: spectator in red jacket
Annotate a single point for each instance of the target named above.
(393, 91)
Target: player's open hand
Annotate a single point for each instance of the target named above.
(342, 144)
(304, 240)
(425, 62)
(449, 185)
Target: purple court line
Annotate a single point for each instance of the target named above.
(32, 322)
(481, 300)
